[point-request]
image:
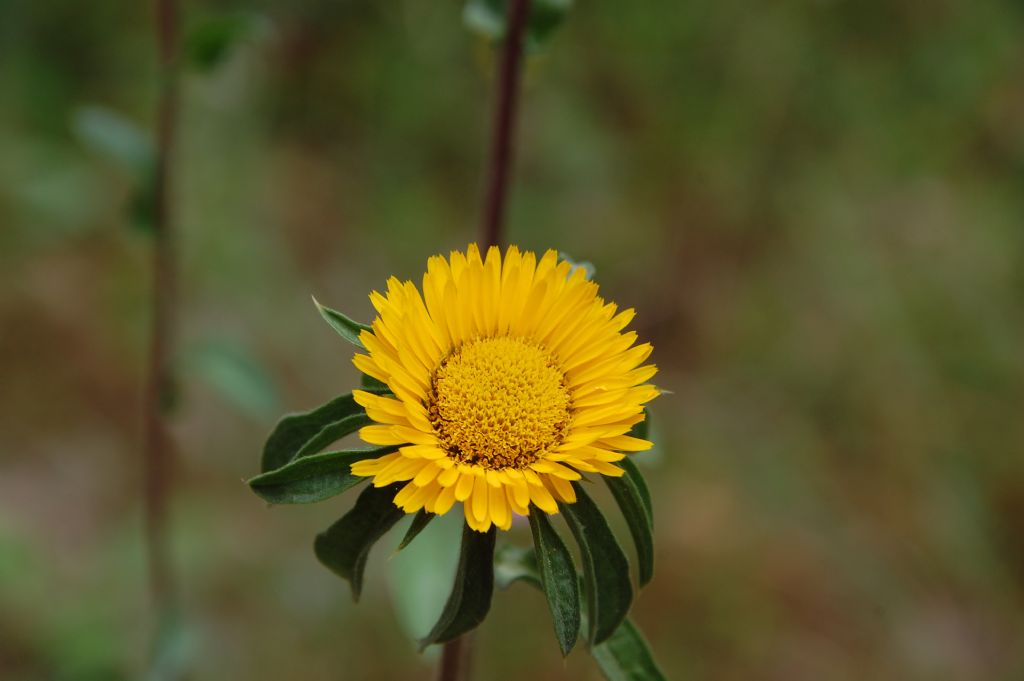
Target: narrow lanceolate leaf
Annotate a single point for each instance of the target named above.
(422, 519)
(308, 432)
(470, 598)
(345, 545)
(559, 580)
(349, 329)
(627, 493)
(633, 473)
(625, 656)
(605, 567)
(313, 478)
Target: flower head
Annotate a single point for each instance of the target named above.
(510, 377)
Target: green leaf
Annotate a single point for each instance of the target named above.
(625, 656)
(345, 545)
(174, 648)
(370, 383)
(558, 577)
(487, 18)
(116, 137)
(346, 328)
(333, 432)
(642, 429)
(211, 41)
(231, 369)
(633, 473)
(470, 599)
(308, 432)
(422, 519)
(313, 478)
(637, 512)
(124, 143)
(605, 567)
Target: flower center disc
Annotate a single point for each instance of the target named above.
(499, 403)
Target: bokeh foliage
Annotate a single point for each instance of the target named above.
(815, 207)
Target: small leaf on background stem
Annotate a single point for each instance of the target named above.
(345, 545)
(348, 329)
(609, 592)
(558, 578)
(470, 599)
(123, 142)
(487, 18)
(308, 432)
(174, 648)
(313, 478)
(232, 371)
(210, 41)
(116, 137)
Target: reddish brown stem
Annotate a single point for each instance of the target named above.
(455, 654)
(500, 166)
(158, 453)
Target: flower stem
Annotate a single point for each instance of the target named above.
(509, 76)
(158, 453)
(455, 654)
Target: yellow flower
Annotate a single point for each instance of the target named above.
(509, 380)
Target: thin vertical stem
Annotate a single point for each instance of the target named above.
(158, 450)
(453, 659)
(455, 654)
(500, 166)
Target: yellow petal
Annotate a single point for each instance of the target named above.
(465, 486)
(555, 469)
(626, 443)
(426, 475)
(540, 496)
(445, 500)
(479, 498)
(498, 504)
(562, 488)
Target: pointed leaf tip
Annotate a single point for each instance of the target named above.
(347, 328)
(305, 433)
(345, 546)
(470, 599)
(422, 519)
(313, 478)
(558, 579)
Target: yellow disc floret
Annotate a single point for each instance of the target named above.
(499, 403)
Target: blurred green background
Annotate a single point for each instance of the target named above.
(816, 206)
